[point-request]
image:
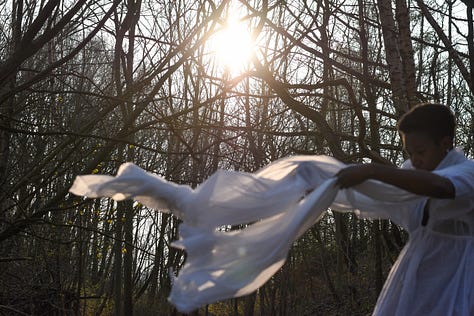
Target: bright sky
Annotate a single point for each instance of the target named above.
(233, 45)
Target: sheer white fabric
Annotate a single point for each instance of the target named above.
(279, 203)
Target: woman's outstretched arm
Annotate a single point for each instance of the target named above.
(419, 182)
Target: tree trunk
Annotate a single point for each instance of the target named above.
(406, 51)
(392, 55)
(128, 259)
(470, 38)
(378, 271)
(117, 271)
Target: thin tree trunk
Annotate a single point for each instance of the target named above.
(257, 155)
(128, 259)
(6, 109)
(406, 51)
(392, 55)
(470, 38)
(378, 256)
(117, 271)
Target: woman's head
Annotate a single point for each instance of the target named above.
(427, 133)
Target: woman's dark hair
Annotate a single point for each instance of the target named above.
(436, 120)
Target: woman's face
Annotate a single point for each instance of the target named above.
(424, 152)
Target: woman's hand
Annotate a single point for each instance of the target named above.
(353, 175)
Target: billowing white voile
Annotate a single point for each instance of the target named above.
(277, 204)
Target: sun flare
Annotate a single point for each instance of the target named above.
(233, 46)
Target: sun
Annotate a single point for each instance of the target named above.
(233, 46)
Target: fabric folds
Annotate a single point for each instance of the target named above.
(271, 207)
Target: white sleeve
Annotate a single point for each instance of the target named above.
(377, 200)
(462, 177)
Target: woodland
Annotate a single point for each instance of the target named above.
(182, 89)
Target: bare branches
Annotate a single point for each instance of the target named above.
(87, 86)
(452, 52)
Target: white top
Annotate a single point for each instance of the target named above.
(433, 275)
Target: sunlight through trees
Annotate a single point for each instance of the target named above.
(183, 88)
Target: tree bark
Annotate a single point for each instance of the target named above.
(392, 55)
(470, 38)
(406, 51)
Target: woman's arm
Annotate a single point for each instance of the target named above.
(419, 182)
